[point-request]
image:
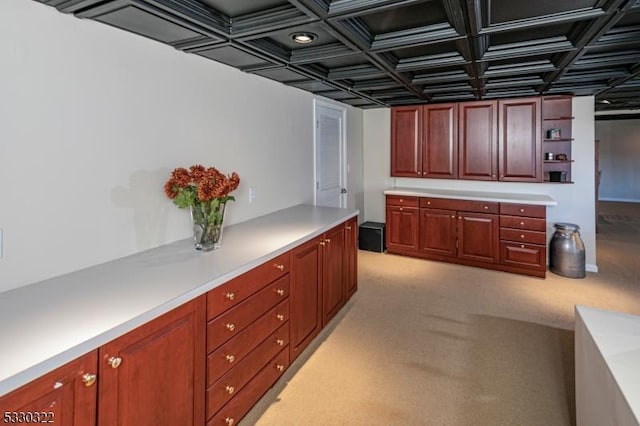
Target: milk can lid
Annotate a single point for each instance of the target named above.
(567, 226)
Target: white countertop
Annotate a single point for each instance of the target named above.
(499, 197)
(47, 324)
(617, 336)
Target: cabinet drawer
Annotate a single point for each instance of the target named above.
(399, 200)
(533, 237)
(232, 382)
(229, 324)
(231, 353)
(459, 205)
(238, 289)
(520, 222)
(240, 405)
(523, 255)
(523, 210)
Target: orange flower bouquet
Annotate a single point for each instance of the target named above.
(206, 192)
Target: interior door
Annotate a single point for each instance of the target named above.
(330, 188)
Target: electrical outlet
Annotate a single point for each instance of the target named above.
(252, 194)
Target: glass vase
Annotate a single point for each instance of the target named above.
(208, 218)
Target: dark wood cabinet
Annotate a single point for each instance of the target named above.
(478, 140)
(306, 294)
(154, 375)
(519, 148)
(478, 237)
(440, 141)
(351, 256)
(333, 273)
(406, 141)
(503, 236)
(402, 220)
(66, 396)
(438, 231)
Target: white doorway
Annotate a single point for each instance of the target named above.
(330, 155)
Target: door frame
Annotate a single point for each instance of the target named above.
(317, 102)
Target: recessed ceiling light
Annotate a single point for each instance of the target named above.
(303, 37)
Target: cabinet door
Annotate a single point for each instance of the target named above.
(333, 287)
(351, 256)
(440, 141)
(64, 397)
(406, 140)
(402, 228)
(478, 140)
(520, 158)
(154, 375)
(438, 231)
(478, 237)
(305, 319)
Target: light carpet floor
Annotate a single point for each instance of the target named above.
(431, 343)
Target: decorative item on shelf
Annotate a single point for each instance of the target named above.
(557, 176)
(548, 156)
(553, 134)
(206, 192)
(562, 157)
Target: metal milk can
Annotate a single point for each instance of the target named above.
(566, 251)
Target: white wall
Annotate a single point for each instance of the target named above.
(619, 157)
(575, 202)
(93, 119)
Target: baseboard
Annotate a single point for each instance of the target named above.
(620, 200)
(591, 267)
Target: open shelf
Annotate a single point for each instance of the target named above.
(559, 140)
(557, 122)
(557, 118)
(558, 161)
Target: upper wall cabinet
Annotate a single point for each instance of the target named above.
(519, 140)
(406, 141)
(483, 140)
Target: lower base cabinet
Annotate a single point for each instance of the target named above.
(503, 236)
(208, 361)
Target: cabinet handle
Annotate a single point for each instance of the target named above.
(230, 421)
(486, 207)
(322, 243)
(521, 223)
(230, 326)
(521, 236)
(280, 292)
(401, 200)
(521, 245)
(279, 266)
(230, 358)
(327, 240)
(453, 216)
(280, 317)
(280, 367)
(57, 385)
(493, 176)
(521, 210)
(348, 228)
(89, 379)
(400, 208)
(280, 342)
(230, 390)
(114, 361)
(230, 296)
(428, 203)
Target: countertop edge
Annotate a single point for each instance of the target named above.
(506, 197)
(15, 381)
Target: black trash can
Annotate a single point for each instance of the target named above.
(566, 251)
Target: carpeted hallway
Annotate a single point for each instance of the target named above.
(429, 343)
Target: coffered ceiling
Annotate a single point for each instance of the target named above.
(376, 53)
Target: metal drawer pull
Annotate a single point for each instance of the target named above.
(114, 361)
(401, 200)
(89, 379)
(280, 342)
(229, 421)
(230, 358)
(348, 228)
(230, 390)
(486, 207)
(280, 317)
(521, 223)
(521, 210)
(230, 296)
(230, 326)
(280, 367)
(322, 243)
(521, 236)
(521, 245)
(280, 292)
(279, 266)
